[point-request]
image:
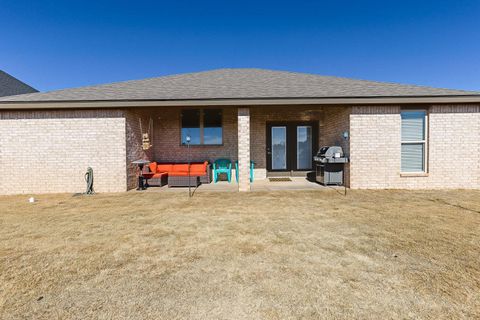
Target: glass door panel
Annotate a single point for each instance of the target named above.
(304, 147)
(279, 148)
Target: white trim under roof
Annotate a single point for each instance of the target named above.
(9, 105)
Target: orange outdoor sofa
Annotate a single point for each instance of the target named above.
(176, 174)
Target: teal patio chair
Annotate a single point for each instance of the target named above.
(222, 166)
(252, 166)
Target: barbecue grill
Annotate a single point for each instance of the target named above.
(329, 165)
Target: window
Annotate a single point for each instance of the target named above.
(191, 126)
(203, 126)
(414, 141)
(212, 126)
(304, 147)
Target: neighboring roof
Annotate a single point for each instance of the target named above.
(237, 84)
(10, 86)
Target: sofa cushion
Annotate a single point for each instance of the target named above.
(180, 168)
(153, 166)
(198, 167)
(178, 174)
(164, 167)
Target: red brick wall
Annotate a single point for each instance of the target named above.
(337, 121)
(167, 147)
(167, 123)
(258, 120)
(133, 138)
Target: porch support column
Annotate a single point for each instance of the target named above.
(244, 149)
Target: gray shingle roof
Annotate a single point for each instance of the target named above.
(12, 86)
(237, 84)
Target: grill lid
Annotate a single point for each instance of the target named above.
(330, 152)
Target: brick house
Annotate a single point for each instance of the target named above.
(396, 136)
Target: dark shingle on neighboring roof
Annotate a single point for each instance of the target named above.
(12, 86)
(238, 84)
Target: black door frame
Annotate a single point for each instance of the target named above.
(291, 132)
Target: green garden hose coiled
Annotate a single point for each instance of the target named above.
(89, 181)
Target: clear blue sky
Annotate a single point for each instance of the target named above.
(60, 44)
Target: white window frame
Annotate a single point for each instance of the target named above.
(424, 142)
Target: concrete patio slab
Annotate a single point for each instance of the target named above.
(296, 183)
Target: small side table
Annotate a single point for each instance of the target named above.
(146, 176)
(140, 163)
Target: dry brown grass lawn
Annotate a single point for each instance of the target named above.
(280, 255)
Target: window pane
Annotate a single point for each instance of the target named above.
(279, 148)
(212, 135)
(191, 125)
(191, 118)
(212, 118)
(412, 157)
(212, 126)
(304, 147)
(413, 125)
(194, 135)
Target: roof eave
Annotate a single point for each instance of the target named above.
(5, 105)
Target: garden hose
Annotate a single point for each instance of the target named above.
(89, 181)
